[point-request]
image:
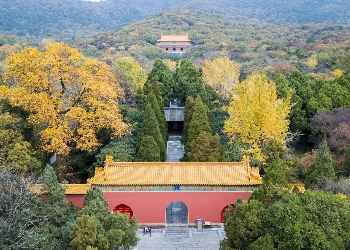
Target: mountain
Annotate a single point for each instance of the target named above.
(71, 19)
(308, 47)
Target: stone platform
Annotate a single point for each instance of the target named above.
(180, 238)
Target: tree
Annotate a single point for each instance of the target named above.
(222, 74)
(199, 122)
(156, 92)
(282, 86)
(94, 205)
(55, 206)
(70, 98)
(189, 106)
(22, 222)
(322, 166)
(130, 69)
(206, 148)
(149, 150)
(243, 226)
(186, 76)
(88, 232)
(152, 100)
(121, 231)
(256, 114)
(15, 152)
(305, 221)
(150, 127)
(165, 79)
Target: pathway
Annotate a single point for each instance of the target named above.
(175, 150)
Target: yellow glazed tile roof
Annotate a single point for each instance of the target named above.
(174, 38)
(176, 173)
(72, 188)
(78, 188)
(174, 44)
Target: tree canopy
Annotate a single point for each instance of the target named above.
(256, 114)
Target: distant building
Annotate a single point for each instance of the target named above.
(175, 44)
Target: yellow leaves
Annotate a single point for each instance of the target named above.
(135, 73)
(256, 114)
(171, 64)
(337, 73)
(222, 74)
(70, 98)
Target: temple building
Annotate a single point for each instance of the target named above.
(171, 192)
(174, 44)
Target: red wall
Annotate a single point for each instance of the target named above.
(149, 207)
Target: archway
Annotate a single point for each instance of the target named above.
(124, 209)
(224, 210)
(176, 213)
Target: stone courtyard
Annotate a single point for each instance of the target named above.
(180, 238)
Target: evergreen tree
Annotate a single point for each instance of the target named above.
(152, 99)
(206, 148)
(199, 122)
(121, 231)
(321, 167)
(149, 150)
(150, 127)
(94, 205)
(156, 91)
(165, 78)
(187, 77)
(243, 226)
(88, 232)
(282, 86)
(189, 106)
(55, 206)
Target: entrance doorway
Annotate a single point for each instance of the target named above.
(224, 210)
(176, 213)
(175, 127)
(124, 209)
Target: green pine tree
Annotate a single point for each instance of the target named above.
(165, 78)
(186, 77)
(94, 204)
(149, 150)
(163, 126)
(150, 127)
(156, 91)
(121, 231)
(206, 148)
(321, 167)
(199, 122)
(88, 232)
(189, 106)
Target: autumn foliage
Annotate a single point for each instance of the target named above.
(70, 98)
(256, 114)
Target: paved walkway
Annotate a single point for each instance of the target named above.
(180, 239)
(175, 150)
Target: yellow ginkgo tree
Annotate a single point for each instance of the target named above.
(222, 74)
(256, 115)
(70, 98)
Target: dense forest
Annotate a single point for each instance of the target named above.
(69, 19)
(259, 47)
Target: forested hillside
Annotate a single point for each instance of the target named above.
(311, 48)
(76, 18)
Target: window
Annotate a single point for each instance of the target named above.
(177, 187)
(174, 49)
(166, 49)
(181, 49)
